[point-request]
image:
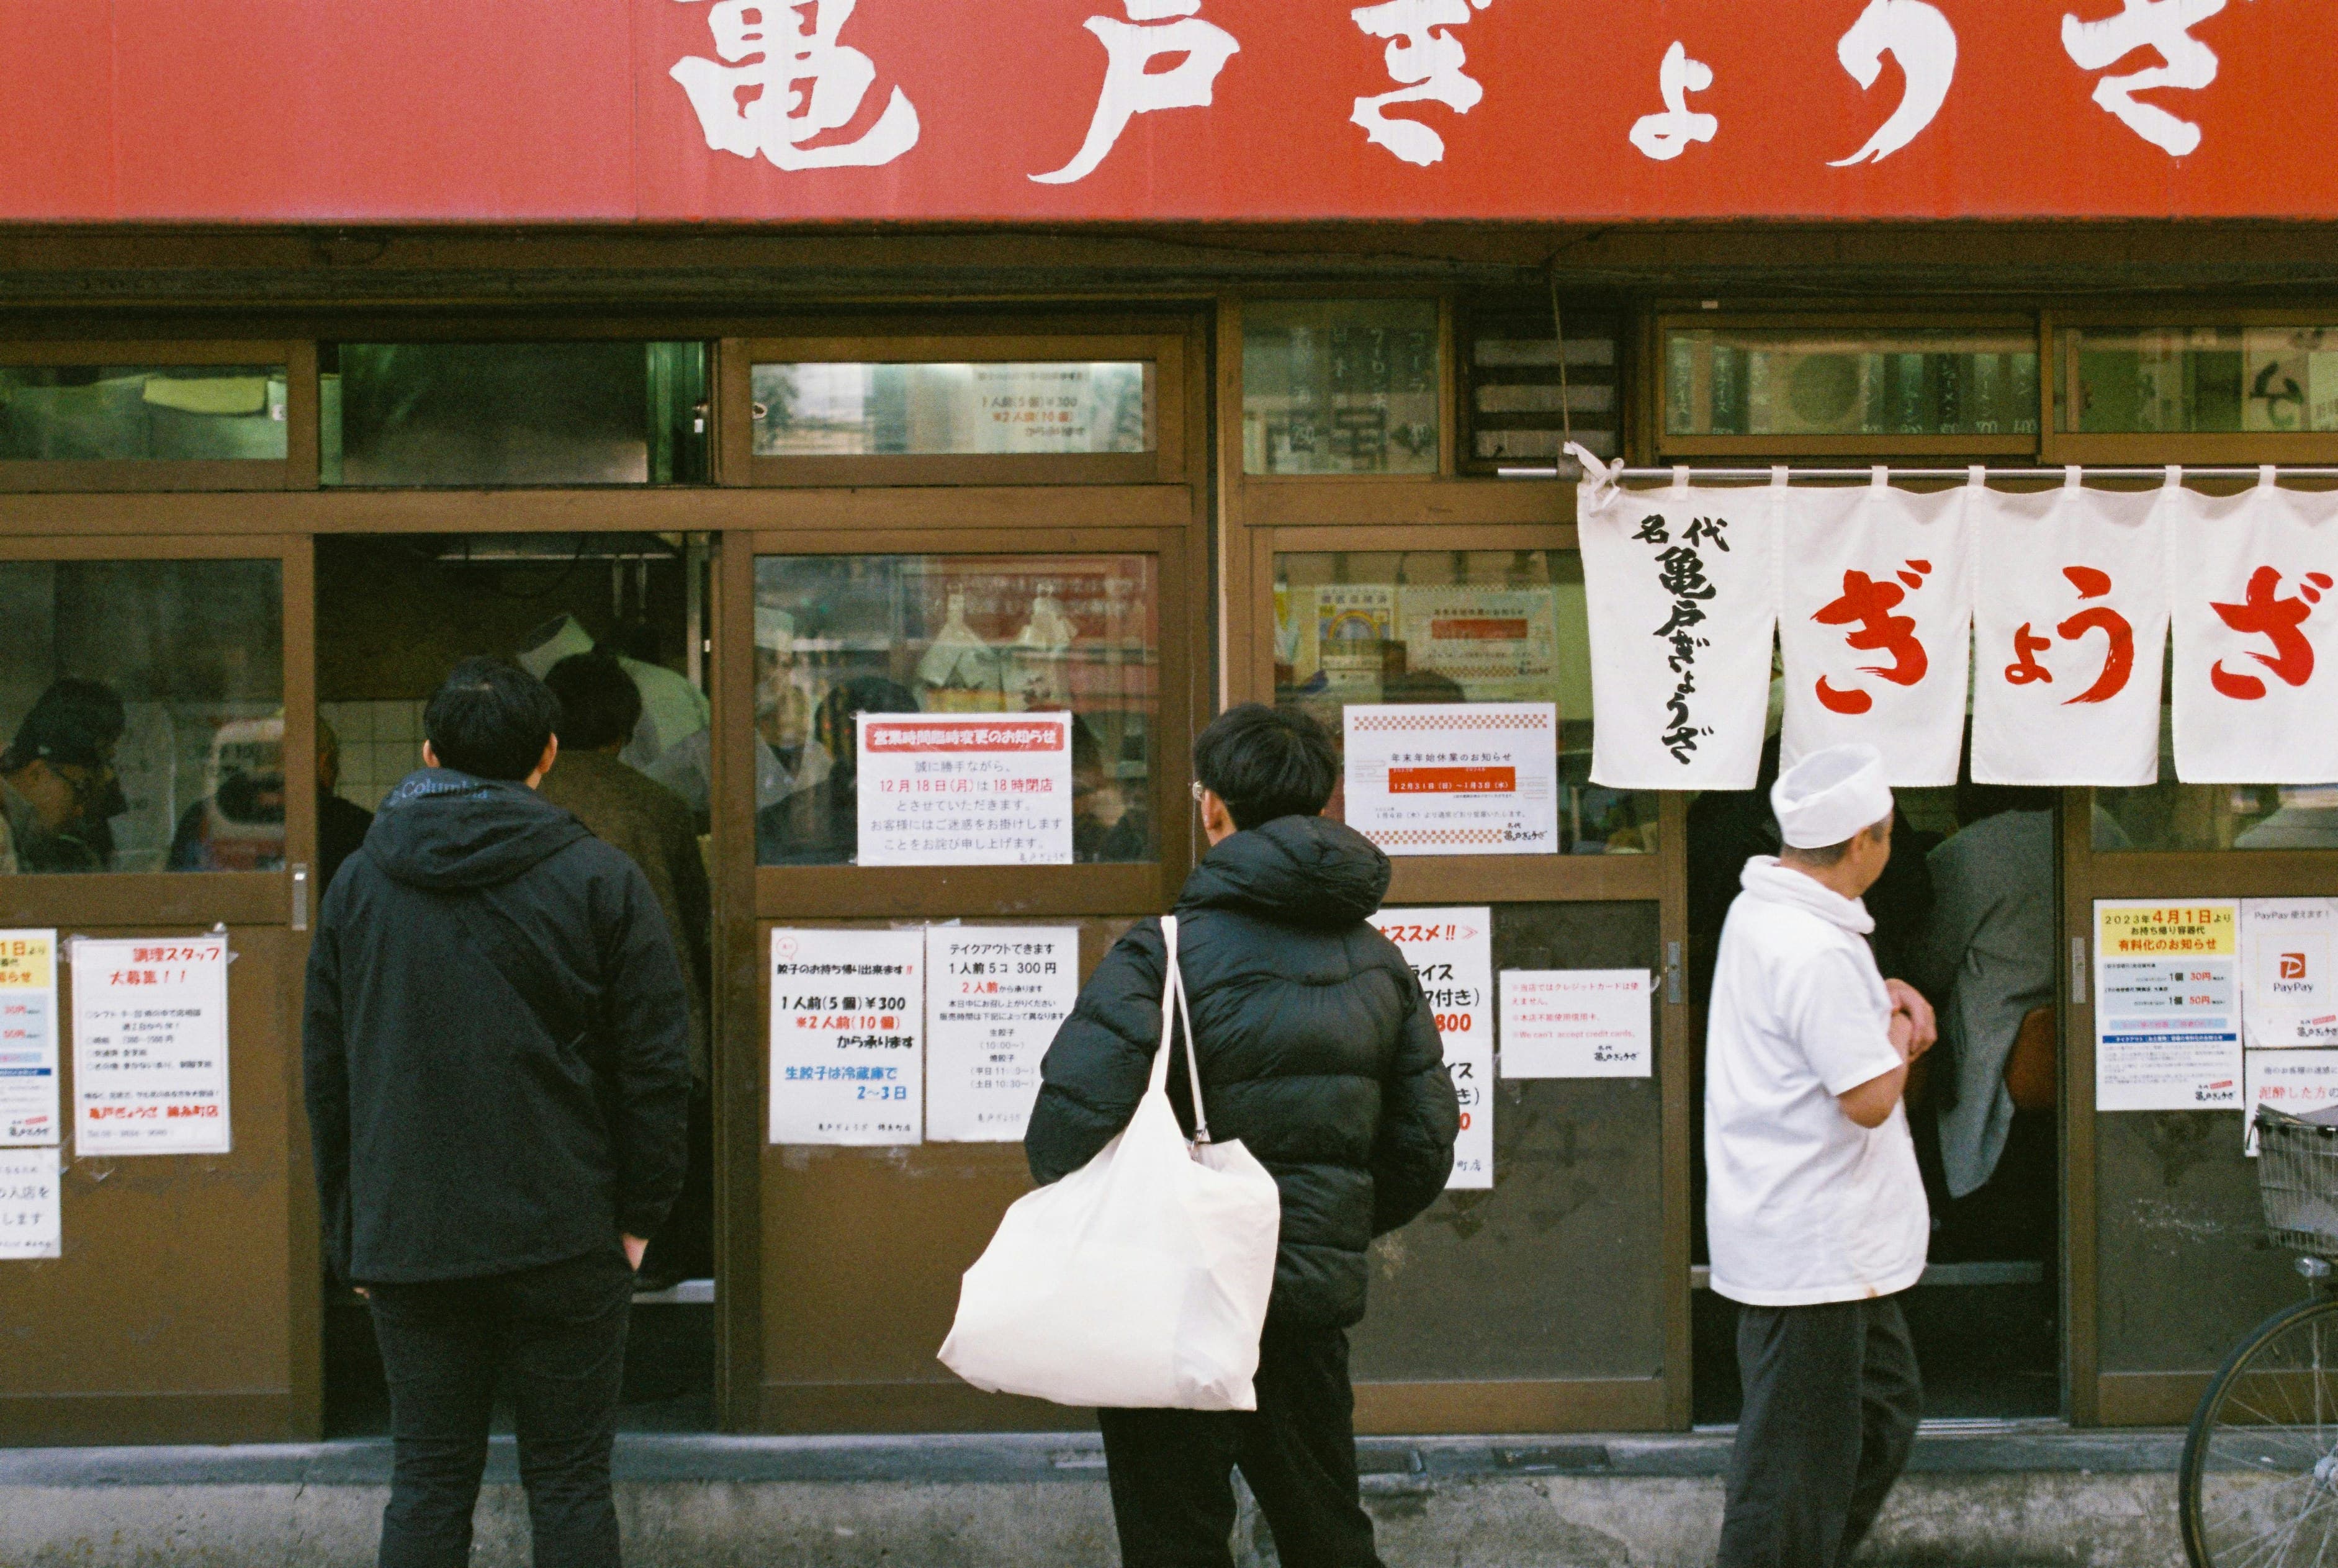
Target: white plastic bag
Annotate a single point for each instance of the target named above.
(1141, 1279)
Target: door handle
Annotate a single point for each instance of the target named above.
(300, 896)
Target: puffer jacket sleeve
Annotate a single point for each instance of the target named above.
(1420, 1117)
(1095, 1069)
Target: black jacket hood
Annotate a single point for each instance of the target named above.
(441, 828)
(1307, 871)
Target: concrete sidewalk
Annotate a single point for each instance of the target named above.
(1977, 1494)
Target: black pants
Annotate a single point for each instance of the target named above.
(558, 1333)
(1172, 1471)
(1832, 1401)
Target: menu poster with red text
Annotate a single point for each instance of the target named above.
(1452, 952)
(150, 1045)
(1577, 1024)
(32, 1204)
(847, 1036)
(2167, 1005)
(965, 789)
(1455, 779)
(29, 1111)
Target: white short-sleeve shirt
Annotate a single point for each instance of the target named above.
(1803, 1205)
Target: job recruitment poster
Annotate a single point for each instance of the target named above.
(1452, 951)
(29, 1110)
(996, 995)
(1576, 1024)
(965, 789)
(32, 1204)
(848, 1024)
(150, 1045)
(2287, 998)
(1459, 778)
(2167, 1025)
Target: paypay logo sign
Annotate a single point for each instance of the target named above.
(2293, 969)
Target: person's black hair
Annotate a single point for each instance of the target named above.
(599, 703)
(491, 720)
(1267, 763)
(72, 722)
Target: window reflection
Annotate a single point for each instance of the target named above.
(1429, 626)
(832, 409)
(113, 413)
(836, 636)
(2199, 378)
(143, 702)
(1825, 381)
(2169, 815)
(1340, 387)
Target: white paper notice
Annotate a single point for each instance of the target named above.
(2167, 1023)
(1459, 778)
(150, 1045)
(29, 1110)
(32, 1205)
(998, 993)
(965, 789)
(848, 1024)
(2288, 996)
(2296, 1082)
(1576, 1024)
(1452, 951)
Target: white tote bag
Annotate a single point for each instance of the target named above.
(1141, 1279)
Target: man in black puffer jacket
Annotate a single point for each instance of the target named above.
(1318, 1053)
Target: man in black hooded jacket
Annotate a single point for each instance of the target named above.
(1318, 1051)
(497, 1058)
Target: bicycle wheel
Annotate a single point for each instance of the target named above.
(2259, 1483)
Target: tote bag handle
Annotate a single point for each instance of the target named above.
(1173, 1006)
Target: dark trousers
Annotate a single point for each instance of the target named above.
(1172, 1471)
(558, 1334)
(1832, 1401)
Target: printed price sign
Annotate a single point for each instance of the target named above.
(1463, 778)
(1452, 952)
(29, 1110)
(2167, 1006)
(150, 1045)
(965, 789)
(847, 1021)
(996, 996)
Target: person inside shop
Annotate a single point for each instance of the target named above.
(822, 826)
(249, 799)
(1109, 822)
(496, 1057)
(673, 708)
(1318, 1051)
(1988, 957)
(57, 784)
(1815, 1211)
(787, 760)
(599, 708)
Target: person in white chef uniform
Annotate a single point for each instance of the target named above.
(1814, 1209)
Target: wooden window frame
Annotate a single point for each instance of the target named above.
(1783, 448)
(1466, 313)
(236, 897)
(2157, 447)
(1163, 348)
(296, 469)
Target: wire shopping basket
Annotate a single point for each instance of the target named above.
(2297, 1175)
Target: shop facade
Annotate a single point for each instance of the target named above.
(280, 444)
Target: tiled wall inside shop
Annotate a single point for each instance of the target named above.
(381, 742)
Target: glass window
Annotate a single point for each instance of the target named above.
(427, 414)
(1340, 387)
(1518, 385)
(1818, 381)
(117, 413)
(1454, 626)
(826, 409)
(840, 635)
(2172, 815)
(2167, 379)
(143, 708)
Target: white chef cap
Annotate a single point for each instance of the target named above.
(551, 642)
(775, 630)
(1829, 795)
